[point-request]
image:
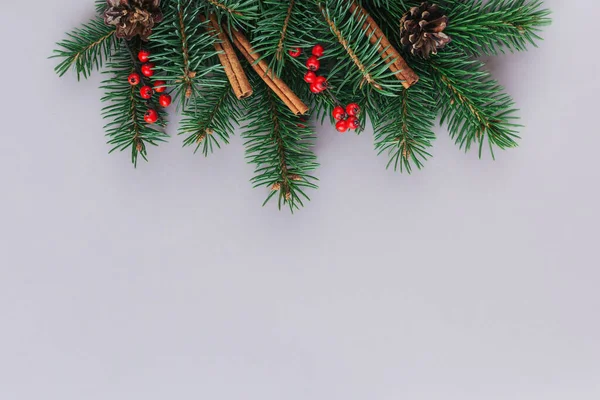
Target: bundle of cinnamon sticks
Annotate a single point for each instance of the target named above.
(235, 72)
(233, 68)
(262, 69)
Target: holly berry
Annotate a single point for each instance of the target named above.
(146, 92)
(164, 100)
(310, 77)
(314, 88)
(321, 83)
(341, 126)
(339, 113)
(318, 51)
(353, 109)
(134, 79)
(148, 69)
(151, 116)
(159, 86)
(313, 63)
(353, 122)
(144, 56)
(295, 52)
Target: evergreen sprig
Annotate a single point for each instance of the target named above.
(86, 48)
(127, 128)
(491, 27)
(359, 68)
(473, 104)
(235, 13)
(404, 125)
(279, 144)
(209, 120)
(184, 51)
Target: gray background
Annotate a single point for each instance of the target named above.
(469, 280)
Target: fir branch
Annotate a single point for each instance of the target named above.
(403, 127)
(225, 7)
(184, 51)
(126, 110)
(472, 103)
(279, 143)
(210, 119)
(359, 64)
(286, 23)
(86, 49)
(479, 27)
(236, 13)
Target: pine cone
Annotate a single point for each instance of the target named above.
(421, 30)
(133, 17)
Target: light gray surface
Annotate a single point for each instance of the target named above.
(470, 280)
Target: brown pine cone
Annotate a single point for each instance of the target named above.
(133, 17)
(421, 30)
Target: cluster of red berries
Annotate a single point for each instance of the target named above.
(347, 118)
(317, 83)
(146, 92)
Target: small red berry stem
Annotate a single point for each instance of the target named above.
(138, 70)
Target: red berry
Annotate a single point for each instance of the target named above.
(144, 56)
(318, 51)
(148, 69)
(353, 109)
(310, 77)
(321, 82)
(339, 113)
(151, 116)
(134, 79)
(341, 126)
(159, 86)
(146, 92)
(313, 63)
(314, 88)
(295, 52)
(353, 122)
(164, 100)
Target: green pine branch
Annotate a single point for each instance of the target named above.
(127, 128)
(279, 144)
(86, 48)
(479, 27)
(184, 51)
(235, 13)
(209, 121)
(403, 126)
(358, 66)
(474, 106)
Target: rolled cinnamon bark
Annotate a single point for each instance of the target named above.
(233, 68)
(399, 66)
(262, 69)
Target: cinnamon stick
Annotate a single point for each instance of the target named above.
(233, 68)
(262, 69)
(399, 66)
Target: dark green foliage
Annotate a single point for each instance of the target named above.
(472, 103)
(208, 120)
(86, 48)
(359, 69)
(184, 51)
(404, 126)
(479, 28)
(235, 13)
(127, 128)
(283, 26)
(279, 143)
